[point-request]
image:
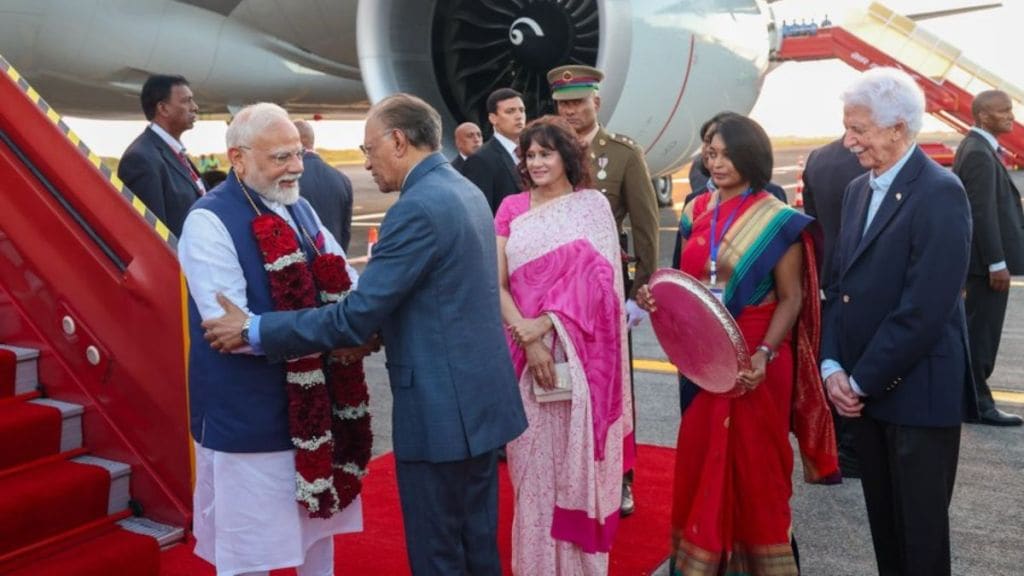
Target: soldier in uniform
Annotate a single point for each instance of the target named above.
(620, 173)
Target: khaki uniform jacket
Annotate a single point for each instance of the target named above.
(620, 172)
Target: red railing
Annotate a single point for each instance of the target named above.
(945, 100)
(85, 279)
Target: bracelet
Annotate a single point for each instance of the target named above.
(768, 352)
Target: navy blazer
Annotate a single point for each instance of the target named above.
(153, 172)
(431, 289)
(494, 173)
(329, 192)
(894, 318)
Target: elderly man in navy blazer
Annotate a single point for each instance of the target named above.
(431, 289)
(894, 343)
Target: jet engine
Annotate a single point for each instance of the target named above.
(669, 64)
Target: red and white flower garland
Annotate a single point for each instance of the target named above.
(328, 402)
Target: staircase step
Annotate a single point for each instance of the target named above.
(99, 548)
(71, 426)
(26, 376)
(120, 480)
(28, 431)
(165, 534)
(43, 501)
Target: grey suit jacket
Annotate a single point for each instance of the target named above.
(431, 288)
(155, 174)
(329, 192)
(995, 207)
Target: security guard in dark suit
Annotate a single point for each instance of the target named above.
(620, 172)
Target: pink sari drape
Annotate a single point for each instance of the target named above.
(563, 260)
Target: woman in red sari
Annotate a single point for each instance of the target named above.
(731, 511)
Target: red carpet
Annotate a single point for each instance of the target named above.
(49, 499)
(8, 365)
(641, 544)
(37, 427)
(113, 551)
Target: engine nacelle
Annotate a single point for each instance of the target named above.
(669, 65)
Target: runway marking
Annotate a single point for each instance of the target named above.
(786, 169)
(789, 186)
(1017, 283)
(681, 180)
(368, 216)
(1008, 396)
(657, 366)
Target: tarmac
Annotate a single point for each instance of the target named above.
(829, 522)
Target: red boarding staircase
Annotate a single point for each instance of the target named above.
(881, 37)
(95, 472)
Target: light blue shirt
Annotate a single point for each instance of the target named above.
(1001, 265)
(880, 185)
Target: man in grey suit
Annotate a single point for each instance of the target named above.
(997, 245)
(326, 189)
(154, 166)
(431, 289)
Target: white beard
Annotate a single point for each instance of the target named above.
(275, 193)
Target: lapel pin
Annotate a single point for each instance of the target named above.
(899, 196)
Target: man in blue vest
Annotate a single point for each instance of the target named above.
(247, 519)
(431, 289)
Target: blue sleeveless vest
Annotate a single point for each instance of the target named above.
(238, 402)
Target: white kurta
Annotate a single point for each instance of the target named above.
(246, 518)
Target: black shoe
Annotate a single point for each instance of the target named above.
(628, 504)
(996, 417)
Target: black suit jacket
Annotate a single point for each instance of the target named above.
(458, 162)
(493, 172)
(329, 192)
(894, 317)
(995, 207)
(153, 172)
(828, 171)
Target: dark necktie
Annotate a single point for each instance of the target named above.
(191, 171)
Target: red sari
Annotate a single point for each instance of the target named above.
(734, 461)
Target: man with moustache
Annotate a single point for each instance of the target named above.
(247, 519)
(431, 289)
(467, 141)
(894, 336)
(619, 170)
(997, 249)
(494, 166)
(155, 167)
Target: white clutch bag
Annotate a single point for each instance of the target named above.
(563, 386)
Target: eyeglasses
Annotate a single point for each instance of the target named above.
(282, 158)
(366, 150)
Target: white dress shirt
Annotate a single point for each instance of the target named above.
(1001, 265)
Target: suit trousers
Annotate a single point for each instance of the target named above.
(450, 510)
(907, 474)
(986, 310)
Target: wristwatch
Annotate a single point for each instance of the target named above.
(768, 352)
(245, 329)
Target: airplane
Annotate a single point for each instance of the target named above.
(669, 64)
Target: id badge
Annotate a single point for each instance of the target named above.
(718, 292)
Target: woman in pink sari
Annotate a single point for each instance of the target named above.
(561, 296)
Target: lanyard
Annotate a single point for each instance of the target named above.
(716, 239)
